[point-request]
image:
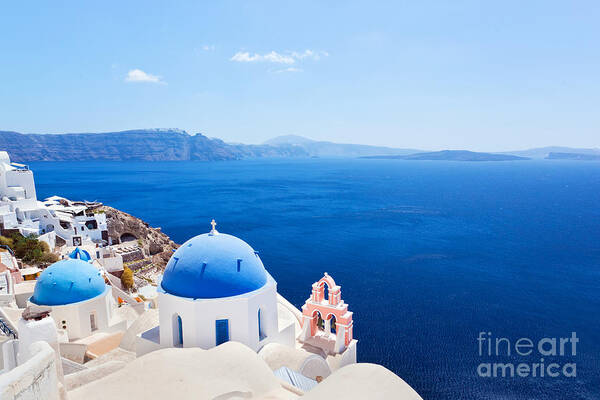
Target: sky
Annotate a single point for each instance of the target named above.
(487, 76)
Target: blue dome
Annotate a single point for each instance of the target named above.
(80, 254)
(213, 266)
(66, 282)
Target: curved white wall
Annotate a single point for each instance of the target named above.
(77, 315)
(36, 379)
(199, 316)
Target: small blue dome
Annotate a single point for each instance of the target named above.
(66, 282)
(213, 266)
(80, 254)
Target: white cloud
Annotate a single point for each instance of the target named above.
(309, 54)
(245, 57)
(288, 69)
(208, 47)
(137, 75)
(273, 57)
(288, 58)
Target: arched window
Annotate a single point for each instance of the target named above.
(261, 326)
(332, 324)
(93, 324)
(319, 320)
(326, 292)
(177, 331)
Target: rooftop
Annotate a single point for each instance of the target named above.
(68, 281)
(213, 265)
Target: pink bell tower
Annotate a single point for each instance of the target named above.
(326, 321)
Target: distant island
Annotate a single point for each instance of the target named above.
(573, 156)
(169, 145)
(315, 148)
(454, 155)
(178, 145)
(544, 152)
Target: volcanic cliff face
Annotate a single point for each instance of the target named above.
(145, 144)
(154, 243)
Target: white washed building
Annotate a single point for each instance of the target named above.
(73, 222)
(215, 289)
(80, 301)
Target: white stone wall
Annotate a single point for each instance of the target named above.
(31, 331)
(36, 379)
(24, 179)
(10, 349)
(147, 342)
(49, 238)
(8, 217)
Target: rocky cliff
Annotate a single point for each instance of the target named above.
(153, 242)
(145, 144)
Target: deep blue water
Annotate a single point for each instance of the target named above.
(428, 254)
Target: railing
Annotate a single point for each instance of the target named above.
(20, 167)
(6, 330)
(3, 246)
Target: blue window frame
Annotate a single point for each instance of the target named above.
(222, 331)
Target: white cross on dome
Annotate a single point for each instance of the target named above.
(213, 230)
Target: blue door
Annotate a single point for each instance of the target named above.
(222, 330)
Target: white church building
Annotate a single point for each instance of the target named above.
(78, 296)
(215, 289)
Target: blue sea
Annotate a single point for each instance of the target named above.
(428, 254)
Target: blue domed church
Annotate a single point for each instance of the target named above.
(215, 288)
(80, 300)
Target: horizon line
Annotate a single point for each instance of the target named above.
(424, 149)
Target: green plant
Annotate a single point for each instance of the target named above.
(127, 278)
(49, 258)
(6, 241)
(30, 249)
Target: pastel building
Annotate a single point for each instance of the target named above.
(80, 301)
(215, 288)
(326, 321)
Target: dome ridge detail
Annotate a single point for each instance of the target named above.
(213, 265)
(66, 282)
